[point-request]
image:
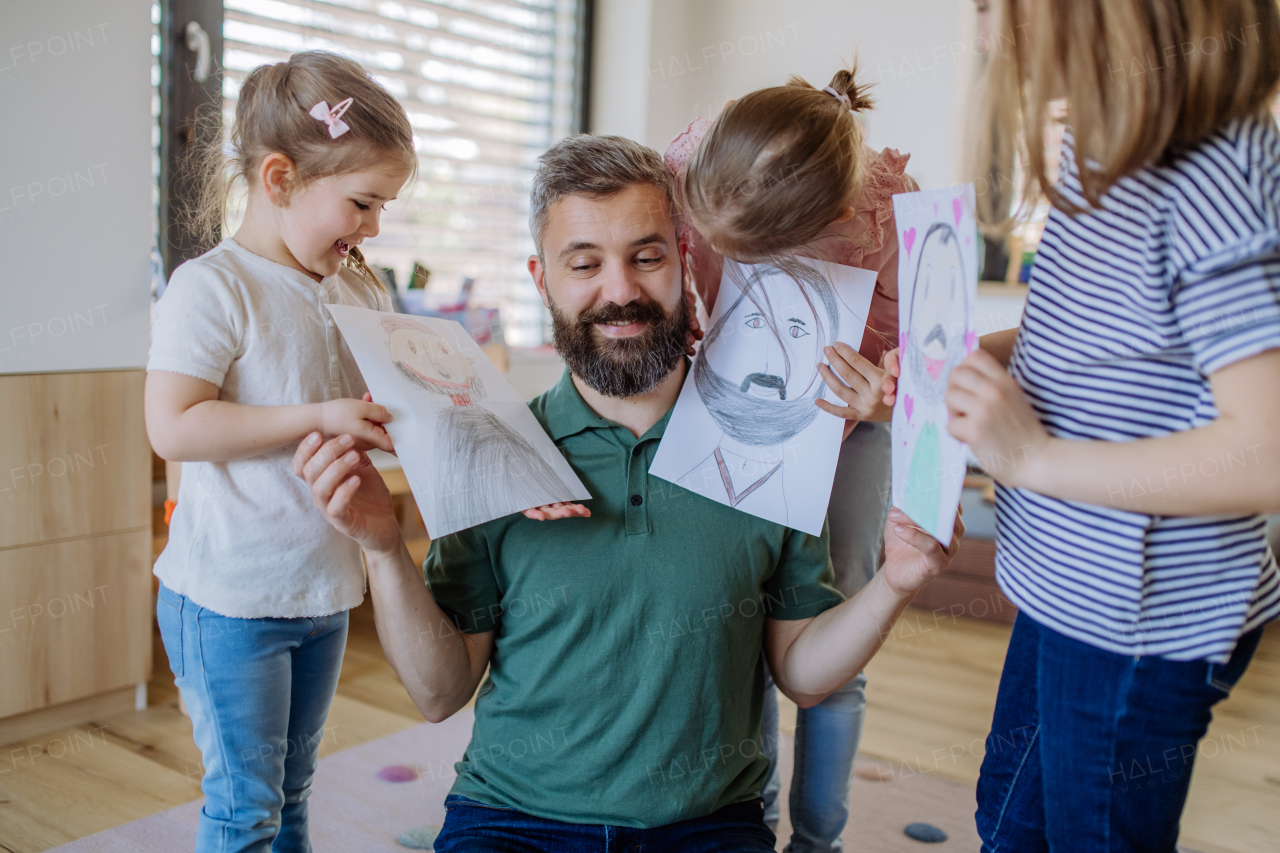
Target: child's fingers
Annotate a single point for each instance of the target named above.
(560, 509)
(377, 437)
(848, 370)
(847, 413)
(368, 397)
(863, 366)
(892, 364)
(370, 411)
(844, 392)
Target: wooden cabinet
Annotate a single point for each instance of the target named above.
(75, 543)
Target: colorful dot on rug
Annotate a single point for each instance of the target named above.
(419, 838)
(925, 832)
(398, 773)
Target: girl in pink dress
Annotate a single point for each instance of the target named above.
(783, 172)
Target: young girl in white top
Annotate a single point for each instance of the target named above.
(245, 363)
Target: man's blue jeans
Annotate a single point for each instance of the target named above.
(1090, 751)
(258, 691)
(472, 827)
(827, 734)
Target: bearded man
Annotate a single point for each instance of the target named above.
(622, 706)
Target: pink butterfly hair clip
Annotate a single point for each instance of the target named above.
(332, 117)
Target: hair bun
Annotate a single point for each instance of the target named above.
(846, 82)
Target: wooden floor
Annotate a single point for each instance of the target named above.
(930, 693)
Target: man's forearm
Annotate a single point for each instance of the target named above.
(432, 657)
(837, 644)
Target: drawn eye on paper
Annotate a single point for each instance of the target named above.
(935, 335)
(753, 388)
(486, 468)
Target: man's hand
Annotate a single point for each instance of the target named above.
(990, 413)
(349, 491)
(360, 419)
(855, 381)
(561, 509)
(912, 557)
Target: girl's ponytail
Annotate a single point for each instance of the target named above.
(846, 83)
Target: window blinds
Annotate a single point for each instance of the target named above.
(488, 85)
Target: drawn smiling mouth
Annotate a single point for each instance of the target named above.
(764, 380)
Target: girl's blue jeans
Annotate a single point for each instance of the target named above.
(258, 691)
(1091, 751)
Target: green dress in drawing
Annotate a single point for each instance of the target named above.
(923, 493)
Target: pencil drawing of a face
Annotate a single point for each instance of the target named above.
(783, 325)
(935, 343)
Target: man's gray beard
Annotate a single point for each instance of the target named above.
(752, 420)
(623, 368)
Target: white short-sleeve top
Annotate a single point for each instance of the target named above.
(245, 539)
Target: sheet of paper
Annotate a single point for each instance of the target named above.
(469, 446)
(745, 431)
(937, 292)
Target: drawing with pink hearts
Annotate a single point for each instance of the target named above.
(937, 290)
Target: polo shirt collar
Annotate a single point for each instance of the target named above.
(567, 414)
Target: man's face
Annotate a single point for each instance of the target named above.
(611, 275)
(781, 356)
(936, 339)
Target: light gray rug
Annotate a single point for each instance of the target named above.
(353, 810)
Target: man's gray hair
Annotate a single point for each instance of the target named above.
(597, 167)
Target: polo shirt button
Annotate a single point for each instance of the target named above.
(636, 500)
(334, 359)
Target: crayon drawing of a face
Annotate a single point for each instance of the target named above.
(939, 306)
(430, 362)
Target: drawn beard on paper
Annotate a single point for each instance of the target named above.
(788, 324)
(486, 469)
(935, 345)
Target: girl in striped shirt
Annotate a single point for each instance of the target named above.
(1132, 421)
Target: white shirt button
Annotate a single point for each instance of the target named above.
(334, 359)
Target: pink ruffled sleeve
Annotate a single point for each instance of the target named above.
(876, 245)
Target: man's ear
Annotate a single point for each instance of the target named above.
(277, 176)
(539, 273)
(685, 251)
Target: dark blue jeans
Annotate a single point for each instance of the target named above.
(1090, 751)
(471, 827)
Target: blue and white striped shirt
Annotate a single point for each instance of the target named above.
(1131, 307)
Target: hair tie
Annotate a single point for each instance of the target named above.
(839, 96)
(332, 117)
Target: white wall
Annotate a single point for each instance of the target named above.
(919, 53)
(75, 185)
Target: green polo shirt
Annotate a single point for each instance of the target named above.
(625, 686)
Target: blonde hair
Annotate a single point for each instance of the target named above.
(1143, 80)
(777, 167)
(273, 115)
